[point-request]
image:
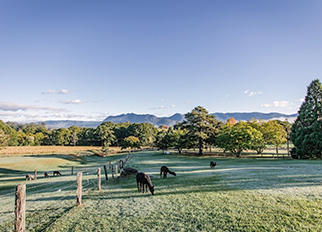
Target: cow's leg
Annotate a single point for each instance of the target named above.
(139, 186)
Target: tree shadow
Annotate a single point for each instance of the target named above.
(4, 172)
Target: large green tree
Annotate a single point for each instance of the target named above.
(201, 126)
(74, 131)
(121, 132)
(306, 132)
(274, 133)
(132, 142)
(145, 132)
(60, 137)
(8, 135)
(88, 137)
(239, 137)
(180, 139)
(166, 139)
(105, 132)
(261, 142)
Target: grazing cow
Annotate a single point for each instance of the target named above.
(213, 165)
(57, 173)
(143, 180)
(46, 175)
(165, 170)
(29, 177)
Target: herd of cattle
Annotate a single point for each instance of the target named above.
(32, 177)
(142, 179)
(144, 182)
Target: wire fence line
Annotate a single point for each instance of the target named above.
(48, 201)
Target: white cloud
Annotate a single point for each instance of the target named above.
(63, 91)
(251, 93)
(77, 101)
(173, 106)
(8, 106)
(51, 91)
(254, 93)
(283, 104)
(162, 107)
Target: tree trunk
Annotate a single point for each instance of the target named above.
(200, 147)
(238, 153)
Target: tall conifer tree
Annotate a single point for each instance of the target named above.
(306, 132)
(200, 126)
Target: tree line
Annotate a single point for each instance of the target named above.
(105, 135)
(199, 130)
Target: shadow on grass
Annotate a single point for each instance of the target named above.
(6, 172)
(47, 218)
(53, 198)
(79, 162)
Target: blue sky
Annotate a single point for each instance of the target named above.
(86, 60)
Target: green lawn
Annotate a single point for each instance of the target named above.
(238, 195)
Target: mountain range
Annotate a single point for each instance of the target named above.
(168, 121)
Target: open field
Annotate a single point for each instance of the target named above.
(238, 195)
(5, 151)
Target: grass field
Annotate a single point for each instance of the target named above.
(238, 195)
(36, 150)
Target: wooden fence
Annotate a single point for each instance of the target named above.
(21, 197)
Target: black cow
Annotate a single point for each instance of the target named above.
(143, 180)
(165, 170)
(213, 165)
(57, 173)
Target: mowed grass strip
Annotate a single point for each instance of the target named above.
(238, 195)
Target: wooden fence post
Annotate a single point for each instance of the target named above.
(79, 189)
(72, 170)
(20, 208)
(35, 174)
(106, 177)
(110, 165)
(99, 178)
(112, 171)
(116, 171)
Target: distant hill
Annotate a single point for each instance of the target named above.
(255, 115)
(68, 123)
(147, 118)
(168, 121)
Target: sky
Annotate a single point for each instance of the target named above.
(86, 60)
